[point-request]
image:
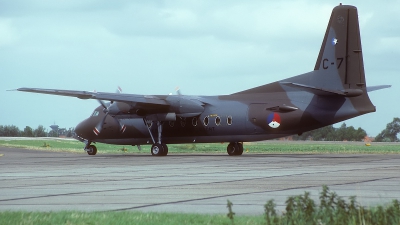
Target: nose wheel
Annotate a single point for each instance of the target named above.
(91, 150)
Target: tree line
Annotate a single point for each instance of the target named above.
(40, 131)
(329, 133)
(389, 134)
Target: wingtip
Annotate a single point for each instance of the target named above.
(18, 89)
(22, 89)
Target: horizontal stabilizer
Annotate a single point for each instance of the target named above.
(324, 91)
(378, 87)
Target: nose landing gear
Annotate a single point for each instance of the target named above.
(90, 149)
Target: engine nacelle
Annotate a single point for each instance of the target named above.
(116, 108)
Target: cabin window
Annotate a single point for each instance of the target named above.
(194, 122)
(217, 121)
(95, 113)
(205, 121)
(229, 120)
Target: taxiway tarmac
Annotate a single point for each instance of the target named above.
(194, 183)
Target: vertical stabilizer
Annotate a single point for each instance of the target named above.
(341, 52)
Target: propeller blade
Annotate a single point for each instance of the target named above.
(102, 103)
(121, 126)
(99, 126)
(97, 129)
(119, 90)
(178, 91)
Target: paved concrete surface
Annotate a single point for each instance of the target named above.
(47, 181)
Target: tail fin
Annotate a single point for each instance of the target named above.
(339, 70)
(341, 52)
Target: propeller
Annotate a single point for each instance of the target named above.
(178, 91)
(97, 129)
(119, 89)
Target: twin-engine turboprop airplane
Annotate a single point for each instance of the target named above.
(334, 91)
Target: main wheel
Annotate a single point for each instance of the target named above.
(165, 147)
(240, 149)
(234, 148)
(157, 150)
(92, 150)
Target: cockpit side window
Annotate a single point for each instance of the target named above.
(95, 113)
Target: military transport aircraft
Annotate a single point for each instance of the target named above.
(334, 91)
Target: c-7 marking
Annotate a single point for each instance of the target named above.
(323, 64)
(340, 60)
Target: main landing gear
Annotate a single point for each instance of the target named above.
(158, 148)
(235, 148)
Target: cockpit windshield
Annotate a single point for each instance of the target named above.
(95, 113)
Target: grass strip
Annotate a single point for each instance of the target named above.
(299, 210)
(268, 147)
(137, 218)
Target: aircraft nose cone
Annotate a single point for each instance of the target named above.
(80, 129)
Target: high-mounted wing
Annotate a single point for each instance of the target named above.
(141, 105)
(129, 98)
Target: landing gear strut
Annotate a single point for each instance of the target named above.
(158, 148)
(235, 148)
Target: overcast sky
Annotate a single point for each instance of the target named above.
(151, 47)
